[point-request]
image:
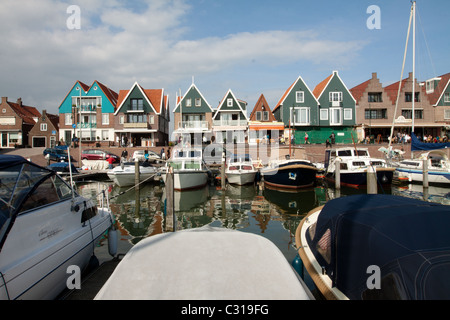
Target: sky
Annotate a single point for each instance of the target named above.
(250, 47)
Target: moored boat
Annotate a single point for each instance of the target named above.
(189, 170)
(354, 165)
(45, 227)
(125, 174)
(245, 267)
(240, 170)
(290, 174)
(377, 247)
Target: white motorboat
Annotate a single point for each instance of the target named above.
(240, 170)
(354, 165)
(188, 168)
(178, 265)
(45, 228)
(125, 174)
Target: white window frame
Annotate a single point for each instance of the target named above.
(229, 102)
(151, 119)
(121, 119)
(105, 118)
(68, 119)
(447, 114)
(348, 114)
(43, 127)
(198, 102)
(258, 116)
(447, 97)
(188, 103)
(333, 121)
(300, 96)
(265, 115)
(307, 114)
(335, 96)
(323, 114)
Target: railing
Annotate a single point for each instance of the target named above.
(88, 108)
(136, 125)
(87, 125)
(194, 125)
(230, 123)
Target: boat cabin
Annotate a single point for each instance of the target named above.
(352, 158)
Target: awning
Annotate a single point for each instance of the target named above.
(266, 126)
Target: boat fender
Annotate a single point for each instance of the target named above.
(112, 241)
(297, 264)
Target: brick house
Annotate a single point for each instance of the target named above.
(16, 121)
(45, 133)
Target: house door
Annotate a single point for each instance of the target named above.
(4, 140)
(68, 137)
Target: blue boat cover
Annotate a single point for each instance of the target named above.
(416, 145)
(7, 160)
(407, 239)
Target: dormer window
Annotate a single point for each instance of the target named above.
(229, 102)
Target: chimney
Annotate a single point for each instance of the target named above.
(19, 102)
(374, 75)
(4, 100)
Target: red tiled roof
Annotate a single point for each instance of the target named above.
(359, 90)
(27, 113)
(155, 96)
(110, 94)
(321, 86)
(436, 94)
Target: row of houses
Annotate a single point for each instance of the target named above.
(141, 117)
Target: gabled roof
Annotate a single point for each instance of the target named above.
(392, 89)
(155, 97)
(180, 98)
(27, 113)
(318, 90)
(222, 102)
(110, 94)
(438, 92)
(258, 107)
(288, 91)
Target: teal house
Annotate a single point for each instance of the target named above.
(193, 117)
(87, 112)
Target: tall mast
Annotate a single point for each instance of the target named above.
(414, 62)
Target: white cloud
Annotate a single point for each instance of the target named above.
(118, 44)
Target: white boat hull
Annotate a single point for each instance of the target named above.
(127, 176)
(435, 177)
(188, 179)
(241, 178)
(35, 266)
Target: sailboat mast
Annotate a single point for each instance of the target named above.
(414, 63)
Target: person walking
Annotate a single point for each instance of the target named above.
(332, 137)
(110, 161)
(306, 138)
(124, 156)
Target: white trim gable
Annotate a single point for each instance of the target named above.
(185, 94)
(224, 101)
(335, 73)
(143, 93)
(292, 88)
(442, 94)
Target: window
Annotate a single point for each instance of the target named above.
(229, 102)
(300, 116)
(198, 102)
(324, 114)
(105, 135)
(418, 114)
(408, 96)
(105, 118)
(447, 114)
(348, 114)
(375, 113)
(430, 86)
(68, 119)
(258, 116)
(151, 119)
(136, 118)
(266, 115)
(375, 97)
(335, 96)
(137, 104)
(335, 116)
(188, 103)
(43, 127)
(299, 96)
(446, 97)
(121, 120)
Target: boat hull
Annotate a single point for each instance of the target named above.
(188, 179)
(434, 177)
(36, 266)
(241, 178)
(125, 179)
(358, 179)
(292, 176)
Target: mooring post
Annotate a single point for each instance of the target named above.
(425, 173)
(170, 205)
(337, 173)
(371, 180)
(136, 173)
(222, 172)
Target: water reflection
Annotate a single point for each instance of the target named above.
(274, 214)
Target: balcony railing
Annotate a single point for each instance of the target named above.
(194, 125)
(87, 125)
(139, 125)
(87, 109)
(230, 123)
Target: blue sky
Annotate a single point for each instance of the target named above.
(250, 47)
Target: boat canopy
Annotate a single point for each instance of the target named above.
(416, 145)
(407, 239)
(25, 186)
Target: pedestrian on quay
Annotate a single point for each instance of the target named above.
(332, 137)
(124, 156)
(110, 161)
(328, 143)
(306, 138)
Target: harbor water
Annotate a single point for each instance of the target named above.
(274, 214)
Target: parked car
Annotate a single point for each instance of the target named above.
(97, 154)
(212, 154)
(56, 154)
(140, 155)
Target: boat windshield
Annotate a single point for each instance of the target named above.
(25, 187)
